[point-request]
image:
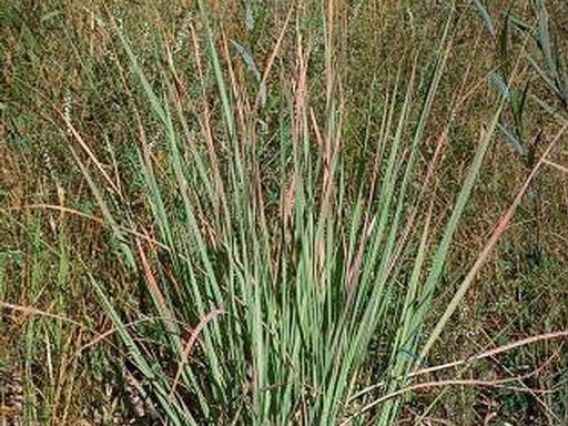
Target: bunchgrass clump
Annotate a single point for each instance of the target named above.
(282, 281)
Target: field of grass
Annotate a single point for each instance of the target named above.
(283, 212)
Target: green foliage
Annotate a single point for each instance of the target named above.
(256, 214)
(285, 302)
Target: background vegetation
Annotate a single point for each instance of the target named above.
(309, 212)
